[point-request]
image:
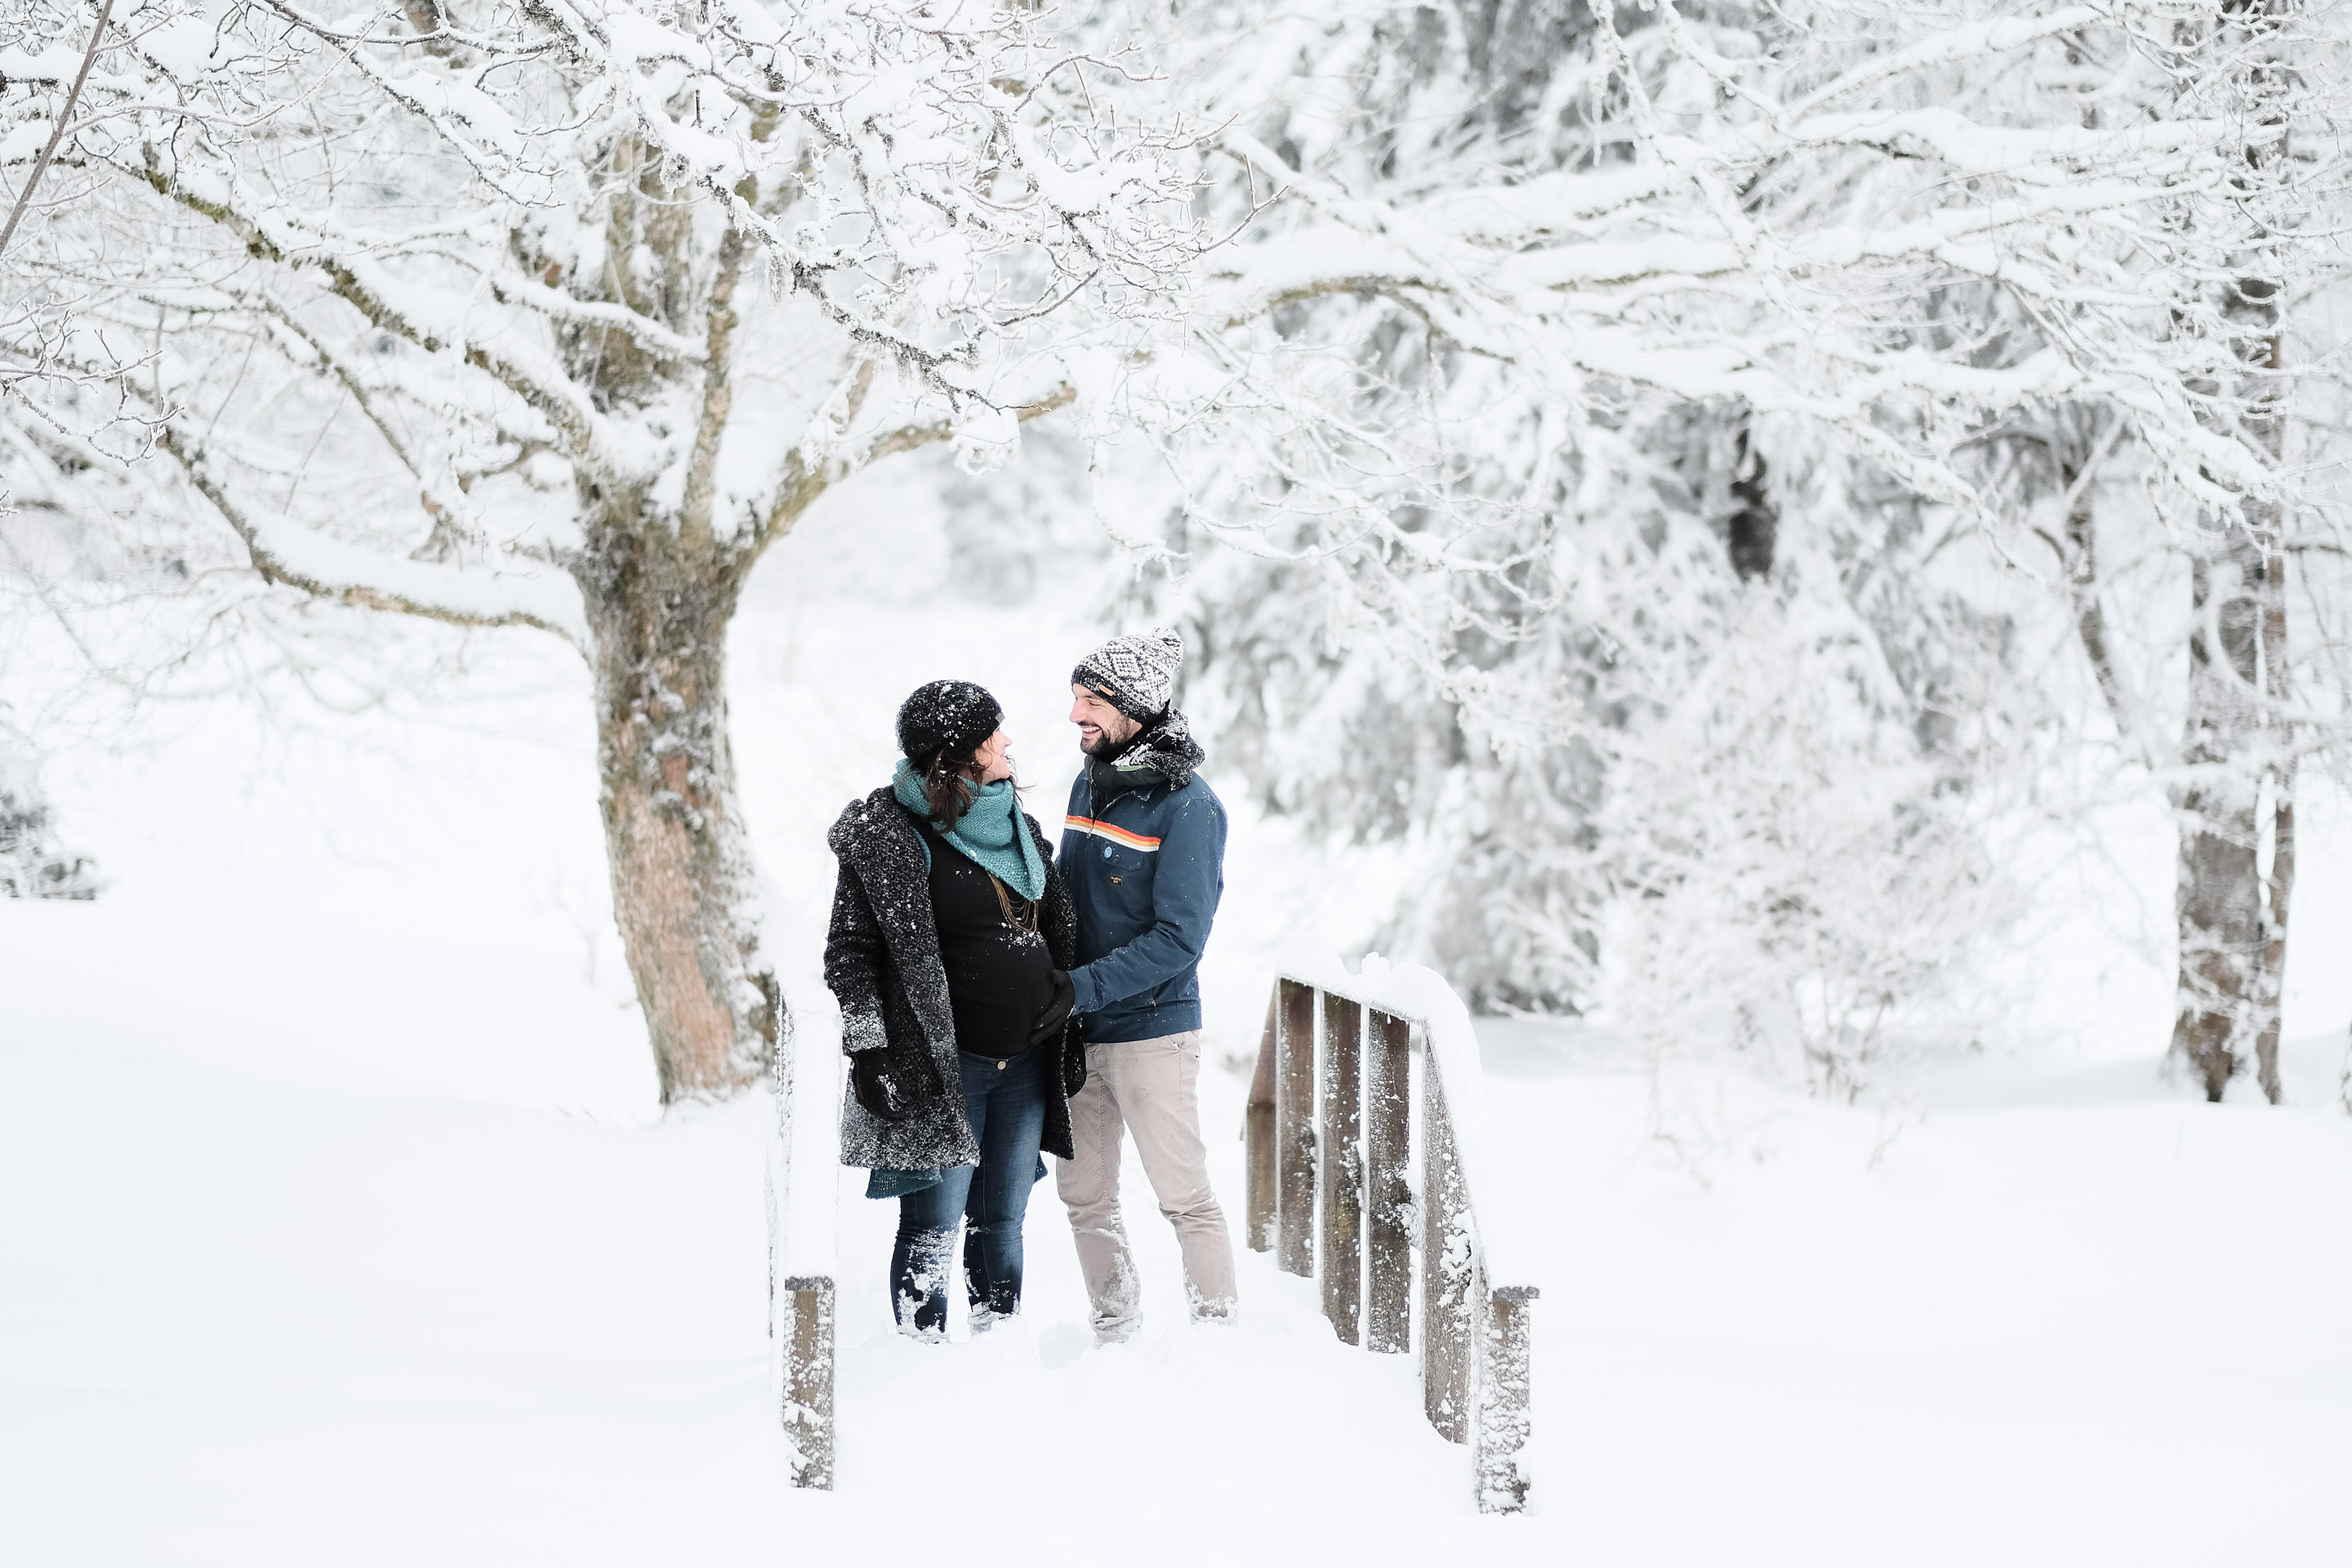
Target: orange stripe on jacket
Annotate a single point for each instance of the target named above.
(1111, 831)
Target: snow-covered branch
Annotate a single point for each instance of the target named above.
(432, 297)
(287, 552)
(1639, 400)
(827, 456)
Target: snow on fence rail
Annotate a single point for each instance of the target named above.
(1341, 1044)
(802, 1213)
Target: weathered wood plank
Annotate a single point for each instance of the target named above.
(808, 1381)
(1294, 1129)
(1388, 1190)
(1504, 1390)
(1448, 1263)
(1340, 1148)
(1258, 1138)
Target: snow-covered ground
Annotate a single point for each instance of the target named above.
(339, 1227)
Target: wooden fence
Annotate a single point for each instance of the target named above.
(1334, 1124)
(1331, 1132)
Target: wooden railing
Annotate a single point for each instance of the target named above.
(1331, 1132)
(1341, 1102)
(801, 1243)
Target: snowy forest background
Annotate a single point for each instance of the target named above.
(1798, 550)
(1720, 498)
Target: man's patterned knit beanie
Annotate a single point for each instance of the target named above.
(1137, 675)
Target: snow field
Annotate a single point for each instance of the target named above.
(255, 1321)
(337, 1224)
(2050, 1318)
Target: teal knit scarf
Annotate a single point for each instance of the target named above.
(992, 833)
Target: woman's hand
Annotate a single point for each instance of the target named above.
(893, 1082)
(1058, 1008)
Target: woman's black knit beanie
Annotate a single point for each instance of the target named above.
(951, 716)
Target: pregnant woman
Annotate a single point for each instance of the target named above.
(951, 938)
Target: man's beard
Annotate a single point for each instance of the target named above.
(1103, 745)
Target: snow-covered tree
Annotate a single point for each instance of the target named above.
(557, 314)
(1645, 462)
(2161, 561)
(1596, 350)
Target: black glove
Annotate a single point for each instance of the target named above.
(893, 1082)
(1057, 1009)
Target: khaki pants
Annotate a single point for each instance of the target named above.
(1150, 1088)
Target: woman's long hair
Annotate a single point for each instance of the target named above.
(949, 784)
(951, 781)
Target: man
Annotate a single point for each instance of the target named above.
(1143, 852)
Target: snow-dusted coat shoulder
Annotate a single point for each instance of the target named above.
(882, 962)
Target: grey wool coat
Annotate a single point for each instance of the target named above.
(882, 962)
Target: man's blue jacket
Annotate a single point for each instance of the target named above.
(1146, 866)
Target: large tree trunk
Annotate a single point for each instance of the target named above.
(657, 613)
(2279, 887)
(2232, 917)
(2219, 906)
(2233, 921)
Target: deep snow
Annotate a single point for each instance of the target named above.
(338, 1228)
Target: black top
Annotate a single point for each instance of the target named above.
(1000, 976)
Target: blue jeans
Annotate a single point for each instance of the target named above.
(1006, 1107)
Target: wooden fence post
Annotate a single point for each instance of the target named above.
(1258, 1139)
(1388, 1196)
(1294, 1130)
(1340, 1146)
(1448, 1348)
(808, 1381)
(1504, 1388)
